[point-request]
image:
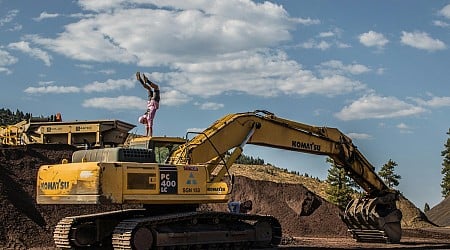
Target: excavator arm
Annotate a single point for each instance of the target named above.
(265, 129)
(370, 219)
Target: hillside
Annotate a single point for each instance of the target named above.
(440, 214)
(274, 174)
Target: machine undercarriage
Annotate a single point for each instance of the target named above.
(201, 230)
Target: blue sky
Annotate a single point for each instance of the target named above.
(377, 70)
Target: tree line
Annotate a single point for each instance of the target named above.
(445, 184)
(8, 117)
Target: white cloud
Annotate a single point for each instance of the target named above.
(380, 71)
(85, 66)
(90, 69)
(190, 30)
(336, 32)
(210, 105)
(441, 23)
(174, 97)
(434, 102)
(234, 9)
(445, 11)
(115, 103)
(377, 107)
(169, 97)
(422, 40)
(342, 45)
(6, 58)
(9, 17)
(261, 73)
(373, 39)
(328, 86)
(45, 15)
(180, 31)
(306, 21)
(109, 85)
(402, 126)
(211, 47)
(334, 67)
(33, 52)
(207, 44)
(312, 44)
(404, 129)
(107, 71)
(45, 83)
(52, 90)
(82, 15)
(5, 70)
(16, 27)
(361, 136)
(326, 34)
(8, 20)
(101, 6)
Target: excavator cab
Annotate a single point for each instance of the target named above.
(162, 146)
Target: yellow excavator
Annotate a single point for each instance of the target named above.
(172, 176)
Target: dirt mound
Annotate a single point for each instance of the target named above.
(412, 216)
(19, 214)
(300, 212)
(24, 223)
(440, 214)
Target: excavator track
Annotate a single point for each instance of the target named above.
(201, 229)
(78, 231)
(61, 233)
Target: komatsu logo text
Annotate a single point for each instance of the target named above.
(306, 146)
(216, 189)
(55, 185)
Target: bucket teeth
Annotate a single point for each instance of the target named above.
(373, 220)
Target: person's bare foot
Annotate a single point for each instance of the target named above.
(138, 76)
(145, 78)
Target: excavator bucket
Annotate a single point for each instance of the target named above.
(374, 220)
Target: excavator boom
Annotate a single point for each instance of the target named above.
(271, 131)
(374, 218)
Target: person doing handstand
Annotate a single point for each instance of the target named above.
(152, 103)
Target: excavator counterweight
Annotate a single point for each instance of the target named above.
(171, 177)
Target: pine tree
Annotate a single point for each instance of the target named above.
(426, 207)
(445, 184)
(339, 186)
(249, 160)
(388, 174)
(7, 117)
